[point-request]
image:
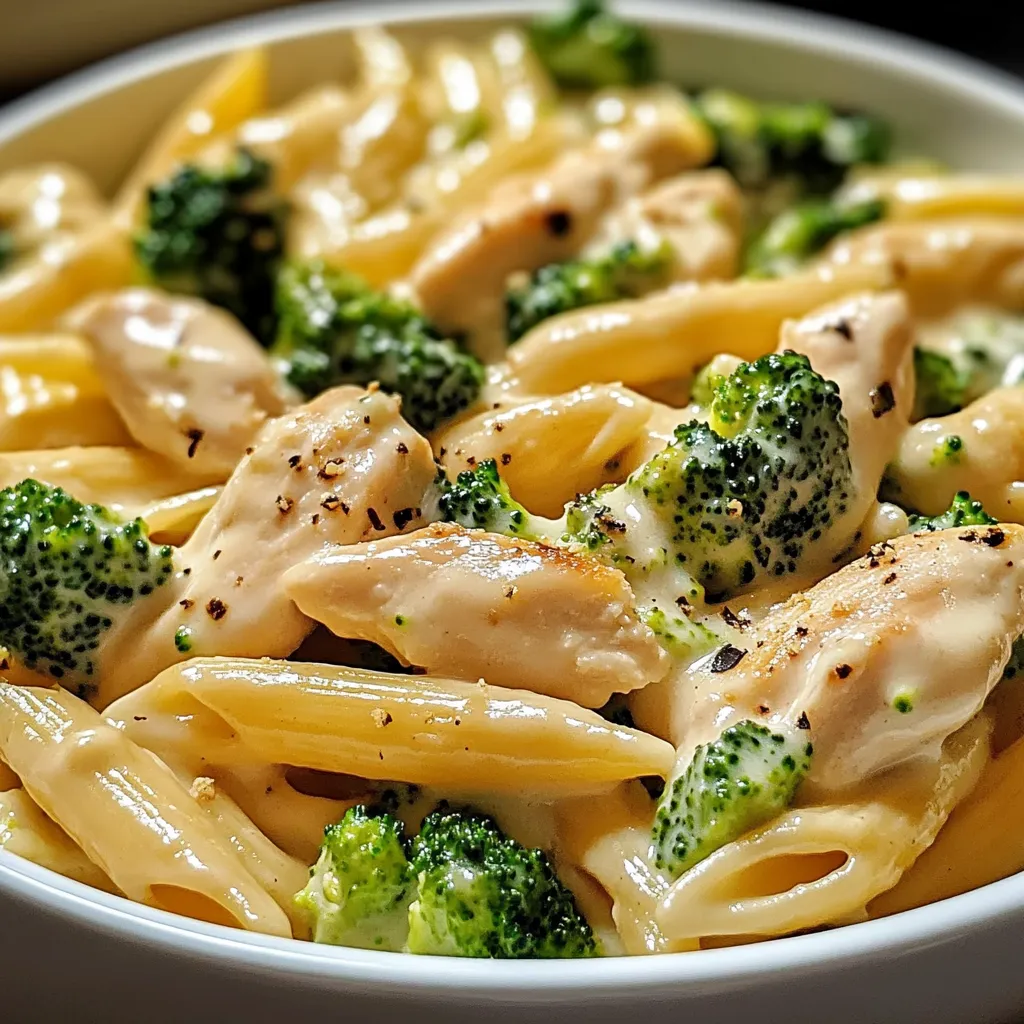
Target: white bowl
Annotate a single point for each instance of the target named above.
(66, 950)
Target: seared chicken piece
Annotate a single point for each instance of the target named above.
(38, 204)
(988, 462)
(482, 606)
(879, 663)
(534, 220)
(699, 215)
(865, 345)
(342, 469)
(944, 264)
(188, 380)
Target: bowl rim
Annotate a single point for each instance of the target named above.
(956, 918)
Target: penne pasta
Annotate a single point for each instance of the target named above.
(434, 732)
(128, 812)
(673, 333)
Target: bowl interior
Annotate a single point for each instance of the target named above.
(941, 106)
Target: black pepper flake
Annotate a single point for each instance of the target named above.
(402, 448)
(403, 517)
(499, 427)
(216, 608)
(1009, 565)
(295, 461)
(443, 453)
(732, 619)
(803, 722)
(4, 665)
(558, 222)
(842, 327)
(239, 581)
(683, 603)
(216, 554)
(186, 603)
(139, 718)
(726, 658)
(470, 460)
(994, 537)
(843, 671)
(366, 420)
(800, 631)
(194, 437)
(316, 518)
(284, 504)
(891, 578)
(187, 572)
(882, 399)
(375, 519)
(331, 503)
(763, 709)
(249, 451)
(506, 458)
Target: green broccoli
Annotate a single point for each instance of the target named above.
(746, 493)
(460, 888)
(482, 894)
(963, 511)
(588, 47)
(361, 885)
(218, 234)
(479, 499)
(67, 570)
(809, 142)
(741, 780)
(947, 451)
(985, 351)
(335, 329)
(627, 271)
(939, 385)
(799, 232)
(7, 249)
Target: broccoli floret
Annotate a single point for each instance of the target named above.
(67, 570)
(986, 351)
(939, 385)
(948, 451)
(335, 329)
(798, 233)
(479, 499)
(741, 780)
(808, 141)
(627, 271)
(588, 47)
(746, 493)
(963, 511)
(218, 234)
(482, 894)
(360, 887)
(7, 249)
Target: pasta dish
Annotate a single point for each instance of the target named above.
(507, 505)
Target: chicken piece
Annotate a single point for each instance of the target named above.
(699, 214)
(879, 663)
(530, 221)
(988, 462)
(482, 606)
(38, 204)
(188, 380)
(342, 469)
(943, 264)
(865, 345)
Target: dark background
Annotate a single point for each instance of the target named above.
(40, 39)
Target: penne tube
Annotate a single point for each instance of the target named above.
(128, 481)
(128, 812)
(435, 732)
(933, 196)
(673, 333)
(51, 395)
(27, 832)
(824, 865)
(173, 520)
(549, 449)
(38, 290)
(982, 842)
(235, 91)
